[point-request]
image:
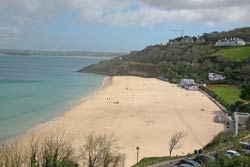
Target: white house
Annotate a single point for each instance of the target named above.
(230, 42)
(187, 82)
(215, 77)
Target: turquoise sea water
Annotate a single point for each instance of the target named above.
(36, 89)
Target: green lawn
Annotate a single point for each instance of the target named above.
(154, 160)
(234, 53)
(228, 93)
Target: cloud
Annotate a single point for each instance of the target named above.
(195, 4)
(209, 12)
(10, 33)
(146, 13)
(29, 11)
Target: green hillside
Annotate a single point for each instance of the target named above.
(235, 53)
(183, 59)
(228, 93)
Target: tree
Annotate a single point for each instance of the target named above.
(174, 141)
(245, 107)
(12, 154)
(48, 151)
(57, 151)
(245, 92)
(100, 150)
(194, 38)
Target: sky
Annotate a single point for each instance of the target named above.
(112, 25)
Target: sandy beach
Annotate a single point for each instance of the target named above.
(142, 112)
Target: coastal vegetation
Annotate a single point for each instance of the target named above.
(244, 106)
(224, 161)
(184, 59)
(223, 141)
(48, 151)
(101, 150)
(154, 160)
(234, 53)
(174, 141)
(242, 33)
(226, 140)
(57, 151)
(231, 97)
(181, 59)
(171, 61)
(229, 94)
(245, 93)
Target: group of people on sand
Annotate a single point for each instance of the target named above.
(116, 102)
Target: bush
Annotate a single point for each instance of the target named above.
(245, 108)
(48, 151)
(101, 150)
(223, 137)
(224, 161)
(245, 93)
(56, 151)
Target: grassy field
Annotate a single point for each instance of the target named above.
(226, 140)
(234, 53)
(154, 160)
(228, 93)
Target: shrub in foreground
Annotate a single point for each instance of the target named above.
(56, 151)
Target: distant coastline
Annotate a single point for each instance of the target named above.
(70, 56)
(59, 53)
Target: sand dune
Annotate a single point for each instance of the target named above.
(142, 112)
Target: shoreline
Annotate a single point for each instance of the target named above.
(107, 81)
(143, 115)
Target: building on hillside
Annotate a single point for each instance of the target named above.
(215, 77)
(188, 84)
(240, 120)
(230, 42)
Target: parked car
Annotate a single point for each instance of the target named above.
(203, 158)
(188, 162)
(184, 165)
(232, 153)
